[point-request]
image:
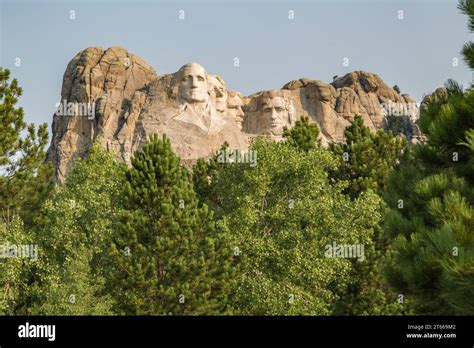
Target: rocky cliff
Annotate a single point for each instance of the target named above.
(114, 97)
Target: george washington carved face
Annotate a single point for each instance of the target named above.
(193, 86)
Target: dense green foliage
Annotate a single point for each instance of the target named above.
(15, 271)
(25, 181)
(431, 197)
(75, 235)
(370, 226)
(467, 7)
(72, 238)
(366, 159)
(304, 135)
(282, 214)
(242, 239)
(169, 258)
(430, 219)
(203, 174)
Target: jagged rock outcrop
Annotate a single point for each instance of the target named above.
(440, 94)
(104, 80)
(126, 101)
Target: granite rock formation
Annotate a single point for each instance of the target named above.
(130, 101)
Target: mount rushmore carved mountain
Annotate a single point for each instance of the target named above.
(129, 101)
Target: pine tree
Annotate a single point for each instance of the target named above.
(169, 257)
(204, 172)
(432, 246)
(25, 181)
(357, 131)
(12, 122)
(366, 159)
(467, 7)
(303, 135)
(430, 218)
(447, 120)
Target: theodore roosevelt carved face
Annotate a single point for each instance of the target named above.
(235, 105)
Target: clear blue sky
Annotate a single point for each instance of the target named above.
(416, 53)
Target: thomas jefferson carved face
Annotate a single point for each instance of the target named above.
(219, 92)
(193, 83)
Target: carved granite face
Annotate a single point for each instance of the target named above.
(184, 106)
(219, 92)
(193, 86)
(235, 104)
(275, 115)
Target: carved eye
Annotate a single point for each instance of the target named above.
(279, 109)
(200, 78)
(267, 110)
